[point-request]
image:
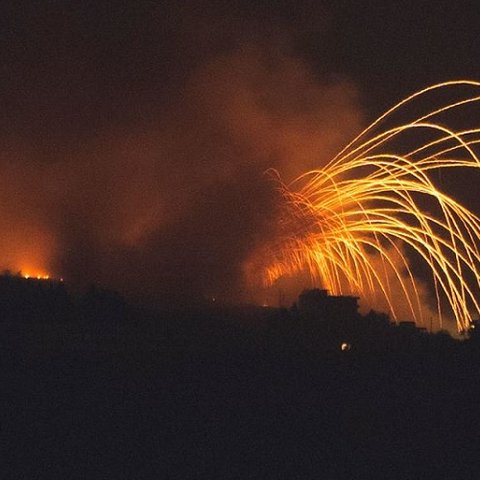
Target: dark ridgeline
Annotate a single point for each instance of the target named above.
(32, 299)
(40, 317)
(37, 299)
(321, 323)
(314, 391)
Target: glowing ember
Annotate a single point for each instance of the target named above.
(358, 223)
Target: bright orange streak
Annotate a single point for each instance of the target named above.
(368, 204)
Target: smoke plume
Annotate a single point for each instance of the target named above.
(135, 140)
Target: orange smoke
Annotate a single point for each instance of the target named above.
(177, 204)
(143, 171)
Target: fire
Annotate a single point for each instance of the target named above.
(36, 276)
(356, 224)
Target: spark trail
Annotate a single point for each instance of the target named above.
(360, 224)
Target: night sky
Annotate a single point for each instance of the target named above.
(135, 135)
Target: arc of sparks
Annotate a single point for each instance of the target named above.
(367, 207)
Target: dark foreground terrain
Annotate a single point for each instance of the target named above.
(184, 396)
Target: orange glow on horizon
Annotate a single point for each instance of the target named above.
(28, 252)
(38, 277)
(37, 274)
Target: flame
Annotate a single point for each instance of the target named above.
(356, 224)
(35, 275)
(31, 273)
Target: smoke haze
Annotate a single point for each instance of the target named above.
(135, 140)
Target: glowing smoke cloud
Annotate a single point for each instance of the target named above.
(358, 224)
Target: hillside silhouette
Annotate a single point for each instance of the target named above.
(96, 387)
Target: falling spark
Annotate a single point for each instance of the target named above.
(357, 224)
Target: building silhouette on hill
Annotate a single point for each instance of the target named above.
(317, 302)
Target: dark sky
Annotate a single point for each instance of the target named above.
(391, 49)
(135, 134)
